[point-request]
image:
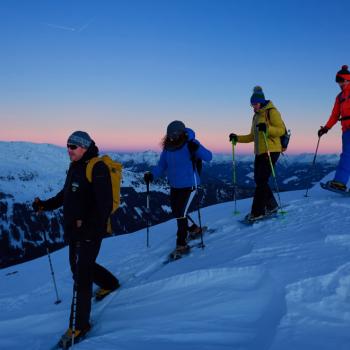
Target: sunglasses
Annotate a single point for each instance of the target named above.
(72, 146)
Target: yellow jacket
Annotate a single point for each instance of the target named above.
(275, 129)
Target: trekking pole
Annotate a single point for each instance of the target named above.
(234, 177)
(273, 174)
(51, 267)
(313, 165)
(148, 213)
(75, 291)
(189, 218)
(198, 202)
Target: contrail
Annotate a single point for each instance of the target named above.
(60, 27)
(84, 26)
(71, 29)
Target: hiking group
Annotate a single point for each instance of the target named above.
(88, 200)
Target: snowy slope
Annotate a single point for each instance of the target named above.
(280, 285)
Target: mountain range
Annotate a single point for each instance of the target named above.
(31, 170)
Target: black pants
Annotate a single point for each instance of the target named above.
(179, 198)
(86, 272)
(263, 196)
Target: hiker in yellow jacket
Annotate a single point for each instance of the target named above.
(266, 119)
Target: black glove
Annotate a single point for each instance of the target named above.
(193, 146)
(323, 130)
(38, 205)
(234, 138)
(262, 127)
(148, 177)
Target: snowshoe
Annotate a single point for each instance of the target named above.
(178, 253)
(66, 340)
(335, 186)
(272, 211)
(101, 293)
(195, 232)
(250, 219)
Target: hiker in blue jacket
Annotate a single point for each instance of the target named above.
(177, 161)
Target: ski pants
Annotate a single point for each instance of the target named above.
(86, 271)
(342, 173)
(263, 196)
(180, 200)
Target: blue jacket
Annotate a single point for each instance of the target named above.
(177, 164)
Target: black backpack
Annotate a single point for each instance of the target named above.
(197, 162)
(285, 137)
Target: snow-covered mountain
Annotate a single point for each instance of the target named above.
(28, 170)
(282, 284)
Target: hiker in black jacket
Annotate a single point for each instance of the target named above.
(86, 209)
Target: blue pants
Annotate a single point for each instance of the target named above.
(342, 173)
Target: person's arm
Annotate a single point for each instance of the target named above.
(199, 151)
(160, 168)
(102, 190)
(246, 138)
(53, 202)
(334, 117)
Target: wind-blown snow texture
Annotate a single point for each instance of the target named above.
(282, 284)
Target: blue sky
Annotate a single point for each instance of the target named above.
(122, 70)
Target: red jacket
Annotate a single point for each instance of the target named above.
(341, 110)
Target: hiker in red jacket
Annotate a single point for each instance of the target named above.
(341, 112)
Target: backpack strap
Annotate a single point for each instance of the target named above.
(196, 162)
(89, 167)
(269, 120)
(341, 100)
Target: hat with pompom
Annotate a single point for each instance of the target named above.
(258, 96)
(343, 74)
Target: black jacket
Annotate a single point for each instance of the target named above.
(81, 200)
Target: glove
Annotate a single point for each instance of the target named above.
(323, 130)
(233, 138)
(148, 177)
(193, 146)
(38, 205)
(262, 127)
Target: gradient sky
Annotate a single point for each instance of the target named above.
(122, 70)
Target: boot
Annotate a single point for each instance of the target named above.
(336, 185)
(101, 293)
(66, 339)
(194, 232)
(179, 251)
(251, 218)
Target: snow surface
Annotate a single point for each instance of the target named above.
(292, 178)
(282, 284)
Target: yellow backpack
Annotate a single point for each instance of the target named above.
(115, 171)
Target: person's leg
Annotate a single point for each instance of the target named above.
(82, 264)
(101, 276)
(261, 177)
(179, 198)
(263, 196)
(342, 173)
(271, 203)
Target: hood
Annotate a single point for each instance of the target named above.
(190, 134)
